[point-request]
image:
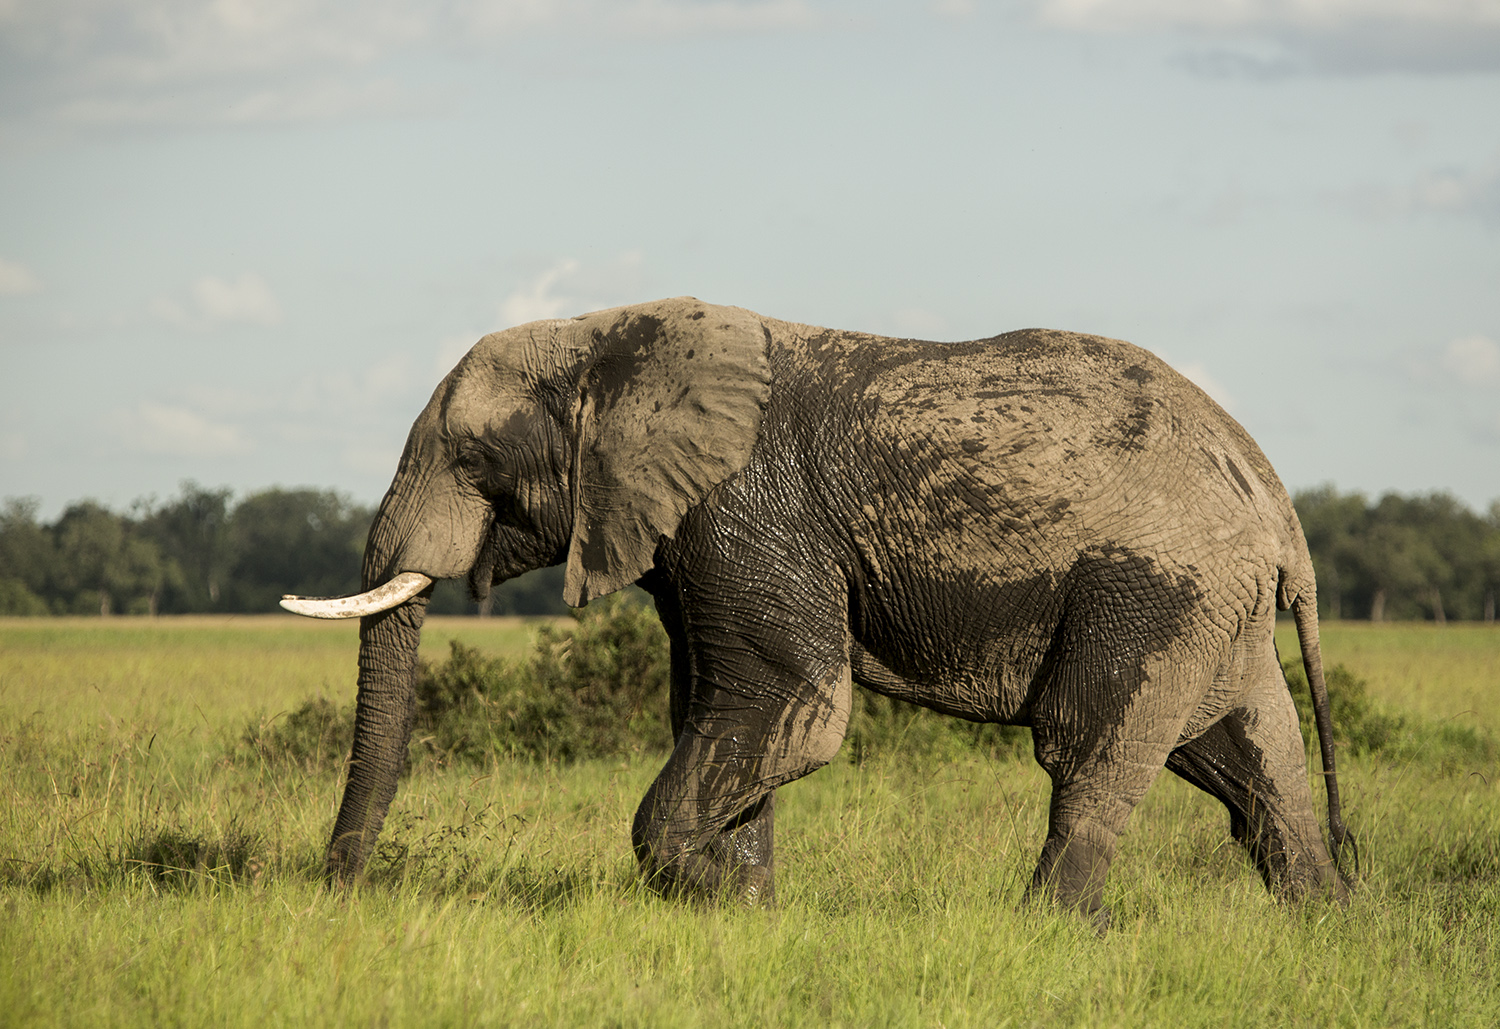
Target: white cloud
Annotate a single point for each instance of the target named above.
(1219, 14)
(571, 288)
(135, 62)
(177, 431)
(564, 289)
(1463, 192)
(17, 279)
(1265, 38)
(1460, 191)
(1198, 373)
(538, 298)
(1474, 360)
(246, 299)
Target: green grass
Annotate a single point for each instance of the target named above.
(151, 873)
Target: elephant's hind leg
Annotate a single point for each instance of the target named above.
(1108, 718)
(1252, 760)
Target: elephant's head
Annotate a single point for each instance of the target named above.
(583, 441)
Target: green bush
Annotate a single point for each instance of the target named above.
(181, 857)
(314, 737)
(17, 600)
(883, 725)
(596, 688)
(599, 688)
(1362, 726)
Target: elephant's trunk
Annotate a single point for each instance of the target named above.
(382, 728)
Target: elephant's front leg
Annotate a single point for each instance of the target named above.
(744, 851)
(767, 705)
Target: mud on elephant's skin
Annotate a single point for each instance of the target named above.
(1042, 528)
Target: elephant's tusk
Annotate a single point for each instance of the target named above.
(382, 598)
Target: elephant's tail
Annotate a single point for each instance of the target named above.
(1305, 613)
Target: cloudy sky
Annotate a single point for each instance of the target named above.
(241, 240)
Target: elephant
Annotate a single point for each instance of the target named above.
(1041, 528)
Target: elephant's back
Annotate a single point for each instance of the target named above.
(1047, 444)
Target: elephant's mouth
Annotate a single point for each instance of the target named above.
(394, 593)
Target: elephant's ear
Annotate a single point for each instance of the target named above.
(669, 406)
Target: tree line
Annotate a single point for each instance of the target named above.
(1400, 557)
(1425, 556)
(202, 551)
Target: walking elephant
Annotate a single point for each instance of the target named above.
(1042, 529)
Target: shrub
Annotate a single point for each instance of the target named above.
(883, 725)
(314, 737)
(596, 688)
(17, 600)
(1362, 726)
(180, 857)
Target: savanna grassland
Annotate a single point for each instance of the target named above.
(159, 866)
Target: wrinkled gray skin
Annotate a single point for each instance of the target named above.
(1041, 529)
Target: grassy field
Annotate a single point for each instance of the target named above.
(155, 870)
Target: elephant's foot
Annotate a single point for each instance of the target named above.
(753, 886)
(1301, 871)
(736, 865)
(699, 878)
(1293, 861)
(1071, 874)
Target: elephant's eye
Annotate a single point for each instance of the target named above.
(474, 464)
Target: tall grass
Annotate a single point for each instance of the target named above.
(154, 872)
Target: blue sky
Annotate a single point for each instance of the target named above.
(241, 241)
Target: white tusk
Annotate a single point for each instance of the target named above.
(382, 598)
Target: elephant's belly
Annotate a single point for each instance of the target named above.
(965, 661)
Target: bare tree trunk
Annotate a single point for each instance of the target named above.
(1436, 599)
(1377, 606)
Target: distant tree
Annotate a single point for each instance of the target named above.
(1424, 555)
(1333, 524)
(102, 563)
(1419, 556)
(1489, 563)
(293, 541)
(192, 530)
(1402, 565)
(535, 593)
(25, 558)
